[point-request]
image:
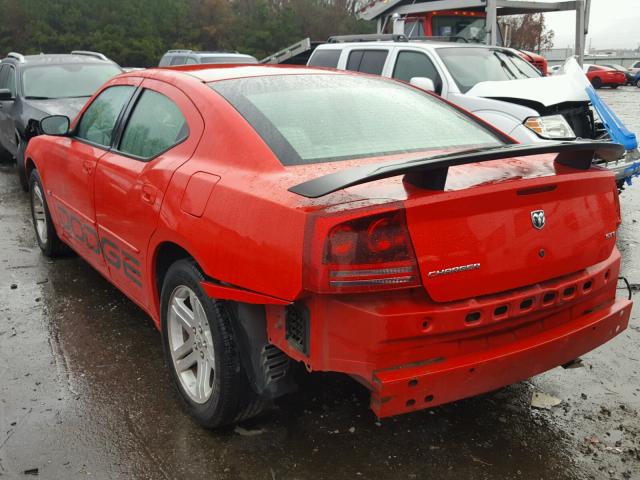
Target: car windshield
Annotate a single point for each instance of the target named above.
(471, 29)
(469, 66)
(321, 118)
(66, 81)
(227, 59)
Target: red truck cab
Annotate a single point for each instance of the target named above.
(469, 26)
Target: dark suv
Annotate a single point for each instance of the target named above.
(191, 57)
(35, 86)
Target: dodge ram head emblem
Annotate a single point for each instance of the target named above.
(537, 219)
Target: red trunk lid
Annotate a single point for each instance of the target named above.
(483, 240)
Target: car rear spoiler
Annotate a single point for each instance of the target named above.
(431, 172)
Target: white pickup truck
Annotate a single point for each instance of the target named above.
(494, 83)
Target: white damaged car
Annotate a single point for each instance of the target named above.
(494, 83)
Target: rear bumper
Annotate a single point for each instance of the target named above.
(404, 389)
(414, 353)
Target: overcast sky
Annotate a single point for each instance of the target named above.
(614, 24)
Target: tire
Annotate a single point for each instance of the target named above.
(5, 155)
(597, 83)
(20, 167)
(46, 235)
(197, 340)
(638, 84)
(614, 86)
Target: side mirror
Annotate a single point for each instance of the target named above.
(424, 83)
(55, 125)
(5, 95)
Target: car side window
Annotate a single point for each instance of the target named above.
(155, 125)
(178, 60)
(8, 78)
(3, 75)
(367, 61)
(411, 64)
(190, 61)
(325, 58)
(11, 80)
(99, 119)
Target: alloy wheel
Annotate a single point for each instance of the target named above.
(39, 213)
(191, 344)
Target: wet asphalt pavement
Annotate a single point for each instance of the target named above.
(84, 393)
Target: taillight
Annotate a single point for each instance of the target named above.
(367, 253)
(618, 212)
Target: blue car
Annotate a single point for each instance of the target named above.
(636, 79)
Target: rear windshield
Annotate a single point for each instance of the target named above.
(227, 59)
(322, 118)
(469, 66)
(66, 81)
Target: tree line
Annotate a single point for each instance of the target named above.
(135, 33)
(527, 32)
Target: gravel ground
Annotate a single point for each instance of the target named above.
(84, 393)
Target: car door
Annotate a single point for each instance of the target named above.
(367, 60)
(160, 132)
(69, 173)
(7, 108)
(413, 63)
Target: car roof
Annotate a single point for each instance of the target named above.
(56, 59)
(414, 43)
(216, 72)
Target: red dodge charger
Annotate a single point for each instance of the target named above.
(270, 216)
(604, 76)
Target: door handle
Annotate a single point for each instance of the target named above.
(87, 167)
(148, 194)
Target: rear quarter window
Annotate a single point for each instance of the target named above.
(367, 61)
(325, 58)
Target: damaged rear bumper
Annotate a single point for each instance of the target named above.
(414, 353)
(414, 387)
